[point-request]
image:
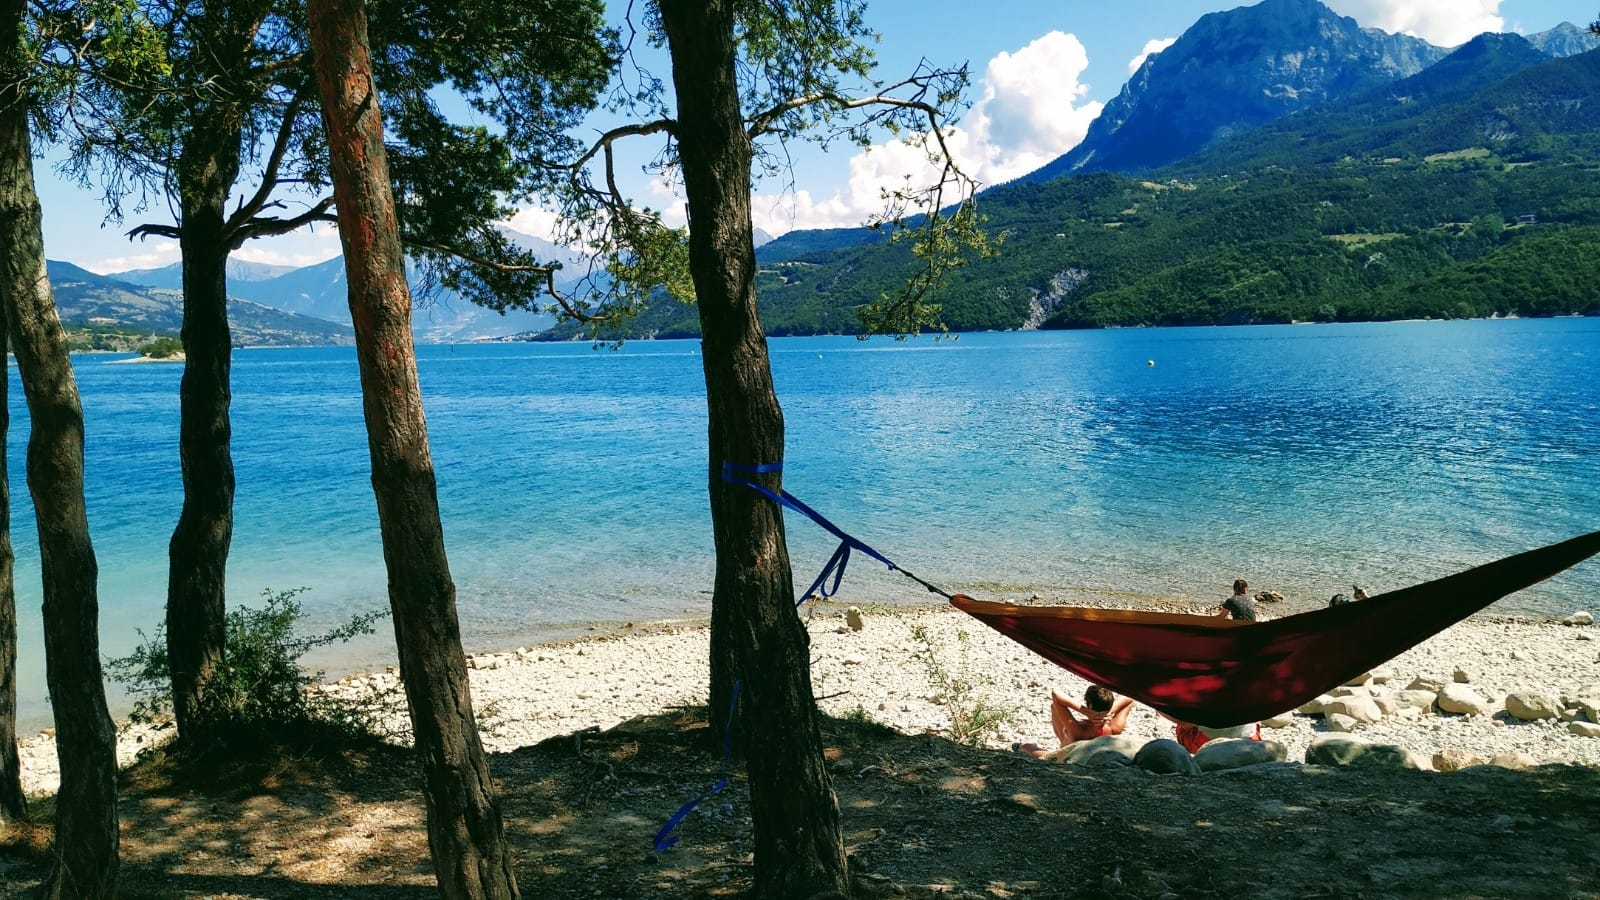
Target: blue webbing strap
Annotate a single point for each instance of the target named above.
(665, 838)
(731, 473)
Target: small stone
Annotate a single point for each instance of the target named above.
(1461, 676)
(1579, 618)
(1584, 636)
(1164, 756)
(1432, 683)
(1217, 756)
(1281, 720)
(1585, 729)
(852, 618)
(1341, 723)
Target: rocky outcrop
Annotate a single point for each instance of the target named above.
(1234, 70)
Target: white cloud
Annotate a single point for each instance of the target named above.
(541, 223)
(160, 252)
(1442, 22)
(1029, 114)
(1151, 48)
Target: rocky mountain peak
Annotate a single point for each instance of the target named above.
(1234, 70)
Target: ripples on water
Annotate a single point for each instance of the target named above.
(572, 480)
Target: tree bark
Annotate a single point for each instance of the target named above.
(13, 805)
(86, 858)
(465, 833)
(757, 638)
(198, 551)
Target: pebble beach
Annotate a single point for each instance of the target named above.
(891, 670)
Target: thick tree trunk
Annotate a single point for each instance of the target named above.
(757, 638)
(464, 826)
(86, 851)
(12, 804)
(198, 551)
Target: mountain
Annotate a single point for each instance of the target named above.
(440, 316)
(1396, 119)
(1232, 71)
(171, 277)
(1466, 190)
(87, 300)
(1565, 39)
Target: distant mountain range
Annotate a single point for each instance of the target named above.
(88, 300)
(282, 304)
(1208, 162)
(1276, 163)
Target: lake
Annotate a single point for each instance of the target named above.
(1137, 462)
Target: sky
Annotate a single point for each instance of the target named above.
(1041, 71)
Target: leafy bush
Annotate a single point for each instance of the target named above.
(162, 348)
(972, 718)
(259, 689)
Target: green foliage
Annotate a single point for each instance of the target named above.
(973, 720)
(162, 348)
(259, 691)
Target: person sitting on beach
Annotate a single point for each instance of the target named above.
(1241, 605)
(1103, 714)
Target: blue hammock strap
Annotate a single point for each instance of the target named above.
(665, 838)
(732, 472)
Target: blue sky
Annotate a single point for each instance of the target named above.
(1041, 70)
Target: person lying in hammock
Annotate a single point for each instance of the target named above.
(1193, 737)
(1102, 714)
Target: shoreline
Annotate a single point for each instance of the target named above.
(889, 672)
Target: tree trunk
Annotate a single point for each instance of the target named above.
(85, 860)
(198, 551)
(757, 638)
(464, 827)
(12, 804)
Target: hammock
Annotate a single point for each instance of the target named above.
(1219, 673)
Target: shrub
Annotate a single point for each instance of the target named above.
(973, 719)
(259, 690)
(162, 348)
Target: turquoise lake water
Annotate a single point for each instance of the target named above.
(572, 480)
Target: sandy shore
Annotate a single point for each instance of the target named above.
(887, 671)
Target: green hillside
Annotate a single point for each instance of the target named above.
(1470, 189)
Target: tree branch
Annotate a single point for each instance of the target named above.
(146, 230)
(269, 174)
(547, 271)
(271, 225)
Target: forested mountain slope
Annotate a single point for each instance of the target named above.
(1370, 208)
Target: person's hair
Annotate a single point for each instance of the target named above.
(1098, 698)
(1240, 586)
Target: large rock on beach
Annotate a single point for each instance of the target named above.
(1586, 700)
(1339, 723)
(1579, 618)
(1515, 760)
(1531, 706)
(1415, 698)
(1360, 707)
(1339, 750)
(1313, 707)
(1102, 752)
(1216, 756)
(1432, 683)
(1584, 729)
(1165, 756)
(1459, 698)
(1454, 759)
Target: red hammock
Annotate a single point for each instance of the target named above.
(1217, 672)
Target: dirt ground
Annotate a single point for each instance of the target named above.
(922, 817)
